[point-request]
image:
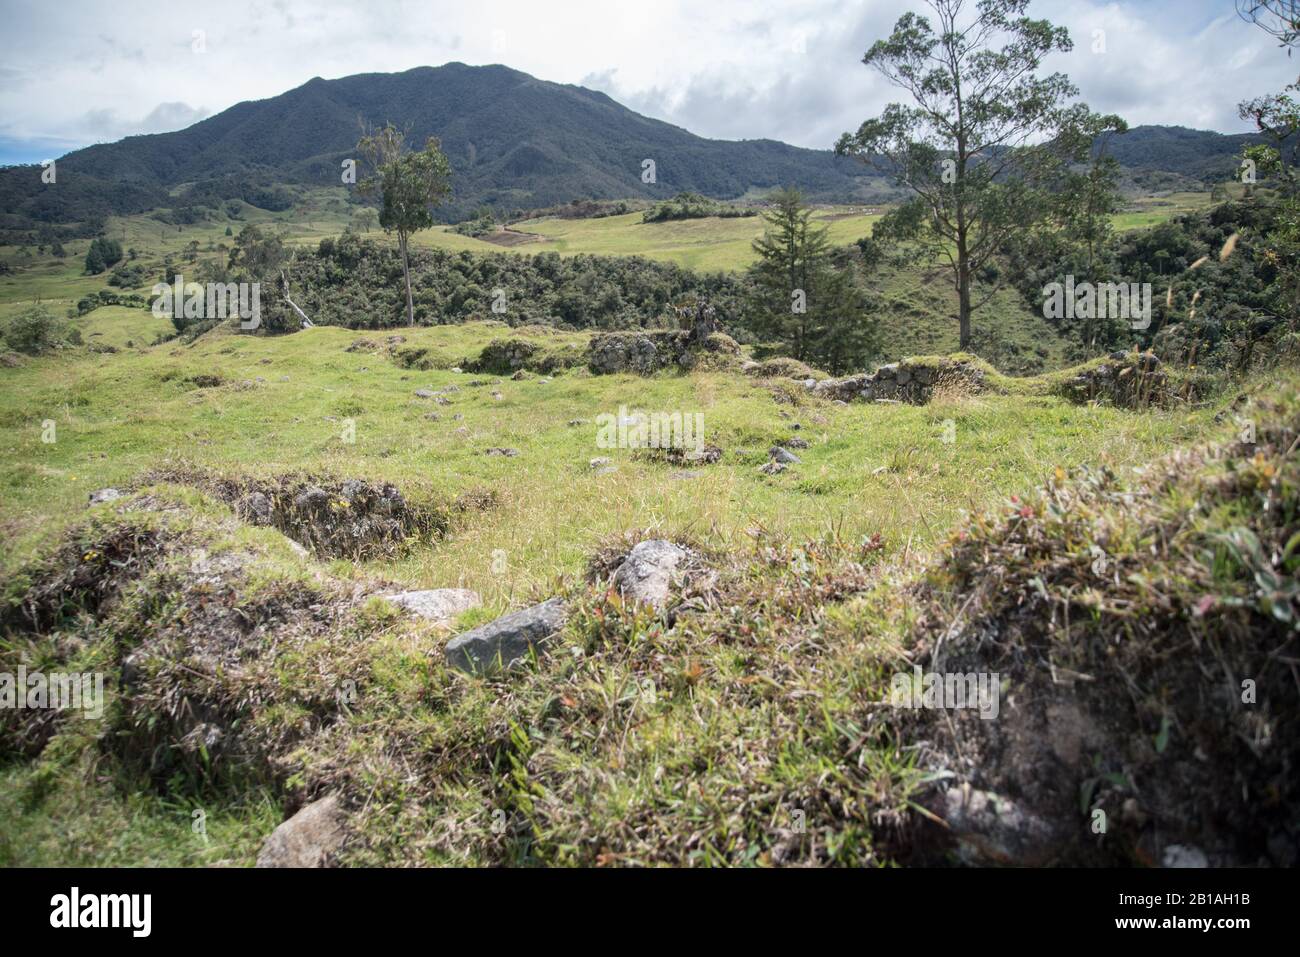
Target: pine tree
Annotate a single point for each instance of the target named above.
(800, 303)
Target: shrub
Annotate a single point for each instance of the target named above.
(35, 330)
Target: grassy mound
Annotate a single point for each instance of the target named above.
(1143, 634)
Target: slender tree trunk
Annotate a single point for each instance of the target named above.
(406, 271)
(963, 296)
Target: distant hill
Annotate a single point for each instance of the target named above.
(515, 142)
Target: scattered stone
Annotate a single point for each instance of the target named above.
(308, 839)
(598, 462)
(773, 468)
(794, 443)
(104, 495)
(685, 474)
(437, 604)
(498, 396)
(783, 456)
(507, 641)
(424, 393)
(508, 453)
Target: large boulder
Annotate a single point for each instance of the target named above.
(648, 572)
(308, 839)
(508, 640)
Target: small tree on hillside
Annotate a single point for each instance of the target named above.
(985, 144)
(409, 184)
(800, 301)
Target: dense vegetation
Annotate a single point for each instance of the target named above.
(358, 283)
(692, 206)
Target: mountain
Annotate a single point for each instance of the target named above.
(514, 141)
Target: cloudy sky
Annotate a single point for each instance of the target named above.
(75, 73)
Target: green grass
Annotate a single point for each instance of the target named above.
(118, 415)
(592, 770)
(708, 244)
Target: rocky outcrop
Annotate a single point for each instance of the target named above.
(1129, 380)
(509, 356)
(508, 641)
(645, 353)
(912, 381)
(308, 839)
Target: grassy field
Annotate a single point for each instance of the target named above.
(303, 404)
(284, 406)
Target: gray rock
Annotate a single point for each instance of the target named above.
(992, 829)
(1184, 855)
(437, 604)
(424, 393)
(308, 839)
(784, 456)
(257, 509)
(647, 573)
(104, 495)
(508, 640)
(313, 497)
(508, 453)
(598, 462)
